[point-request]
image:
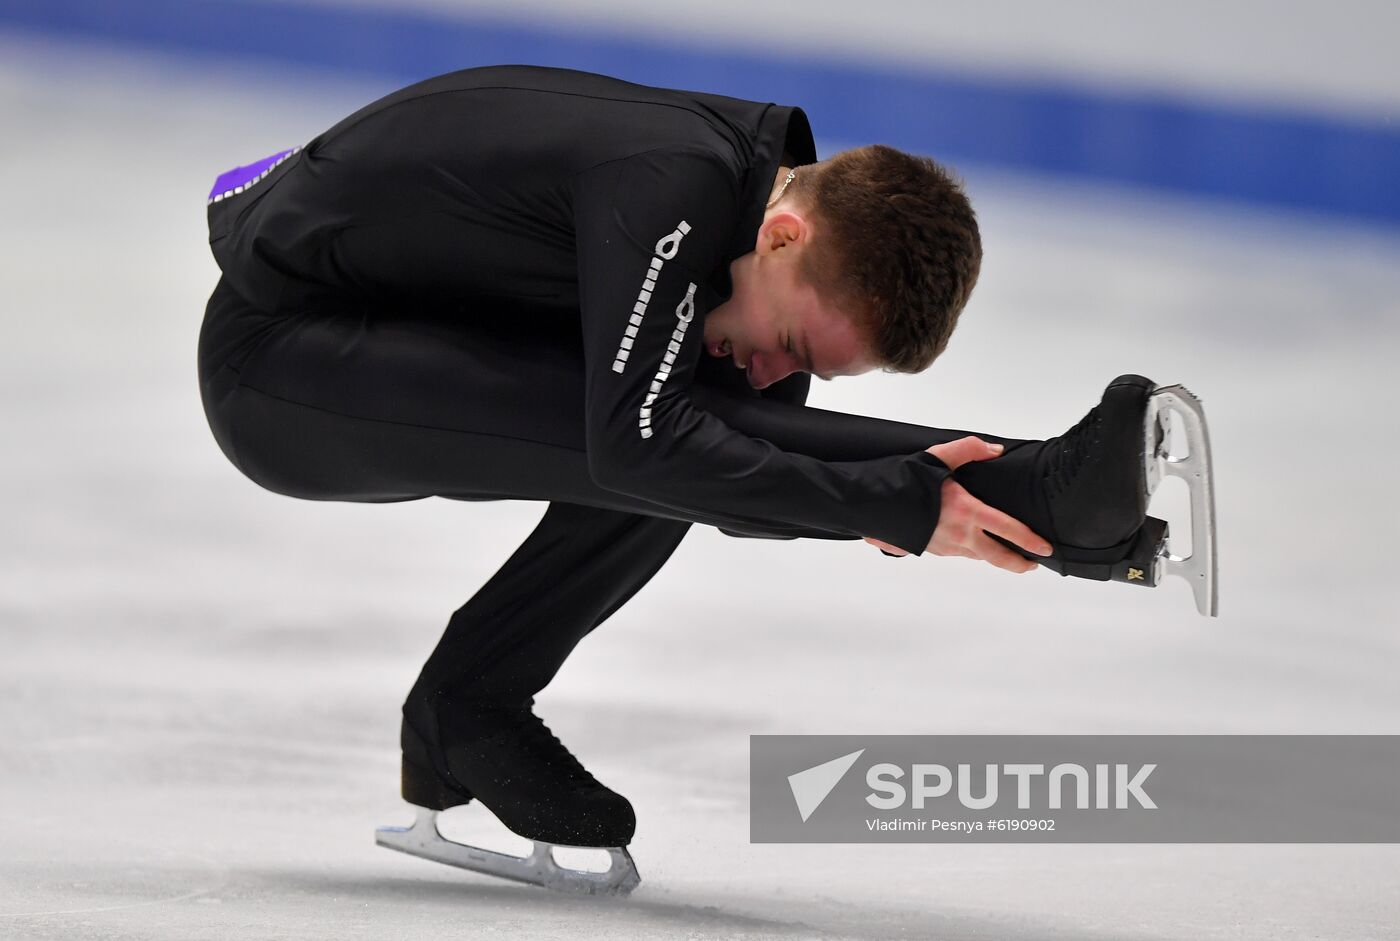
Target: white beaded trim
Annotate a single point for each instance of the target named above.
(685, 313)
(249, 185)
(665, 250)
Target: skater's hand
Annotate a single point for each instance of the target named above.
(964, 520)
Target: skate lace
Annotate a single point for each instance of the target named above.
(546, 745)
(1070, 451)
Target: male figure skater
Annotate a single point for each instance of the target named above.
(529, 283)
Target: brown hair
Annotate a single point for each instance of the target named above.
(897, 244)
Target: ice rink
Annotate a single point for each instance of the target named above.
(200, 680)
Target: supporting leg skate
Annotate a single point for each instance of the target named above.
(505, 758)
(424, 840)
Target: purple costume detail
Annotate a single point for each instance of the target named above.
(241, 176)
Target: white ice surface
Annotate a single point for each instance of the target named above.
(200, 681)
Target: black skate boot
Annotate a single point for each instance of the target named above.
(505, 757)
(1087, 490)
(510, 761)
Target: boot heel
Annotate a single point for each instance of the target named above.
(422, 787)
(1143, 563)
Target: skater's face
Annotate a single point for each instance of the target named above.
(776, 323)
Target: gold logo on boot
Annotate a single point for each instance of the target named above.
(1134, 575)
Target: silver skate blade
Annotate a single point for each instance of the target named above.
(1166, 405)
(424, 840)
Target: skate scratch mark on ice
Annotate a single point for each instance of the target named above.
(213, 864)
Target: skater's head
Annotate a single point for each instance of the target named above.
(863, 261)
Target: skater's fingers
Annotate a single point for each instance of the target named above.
(963, 526)
(959, 452)
(884, 546)
(989, 550)
(1013, 530)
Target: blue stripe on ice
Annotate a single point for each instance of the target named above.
(1297, 160)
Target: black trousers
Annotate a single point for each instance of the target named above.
(354, 402)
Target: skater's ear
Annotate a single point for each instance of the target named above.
(780, 230)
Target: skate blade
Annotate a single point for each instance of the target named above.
(1166, 405)
(424, 840)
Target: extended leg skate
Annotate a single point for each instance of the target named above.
(1200, 566)
(1087, 491)
(536, 788)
